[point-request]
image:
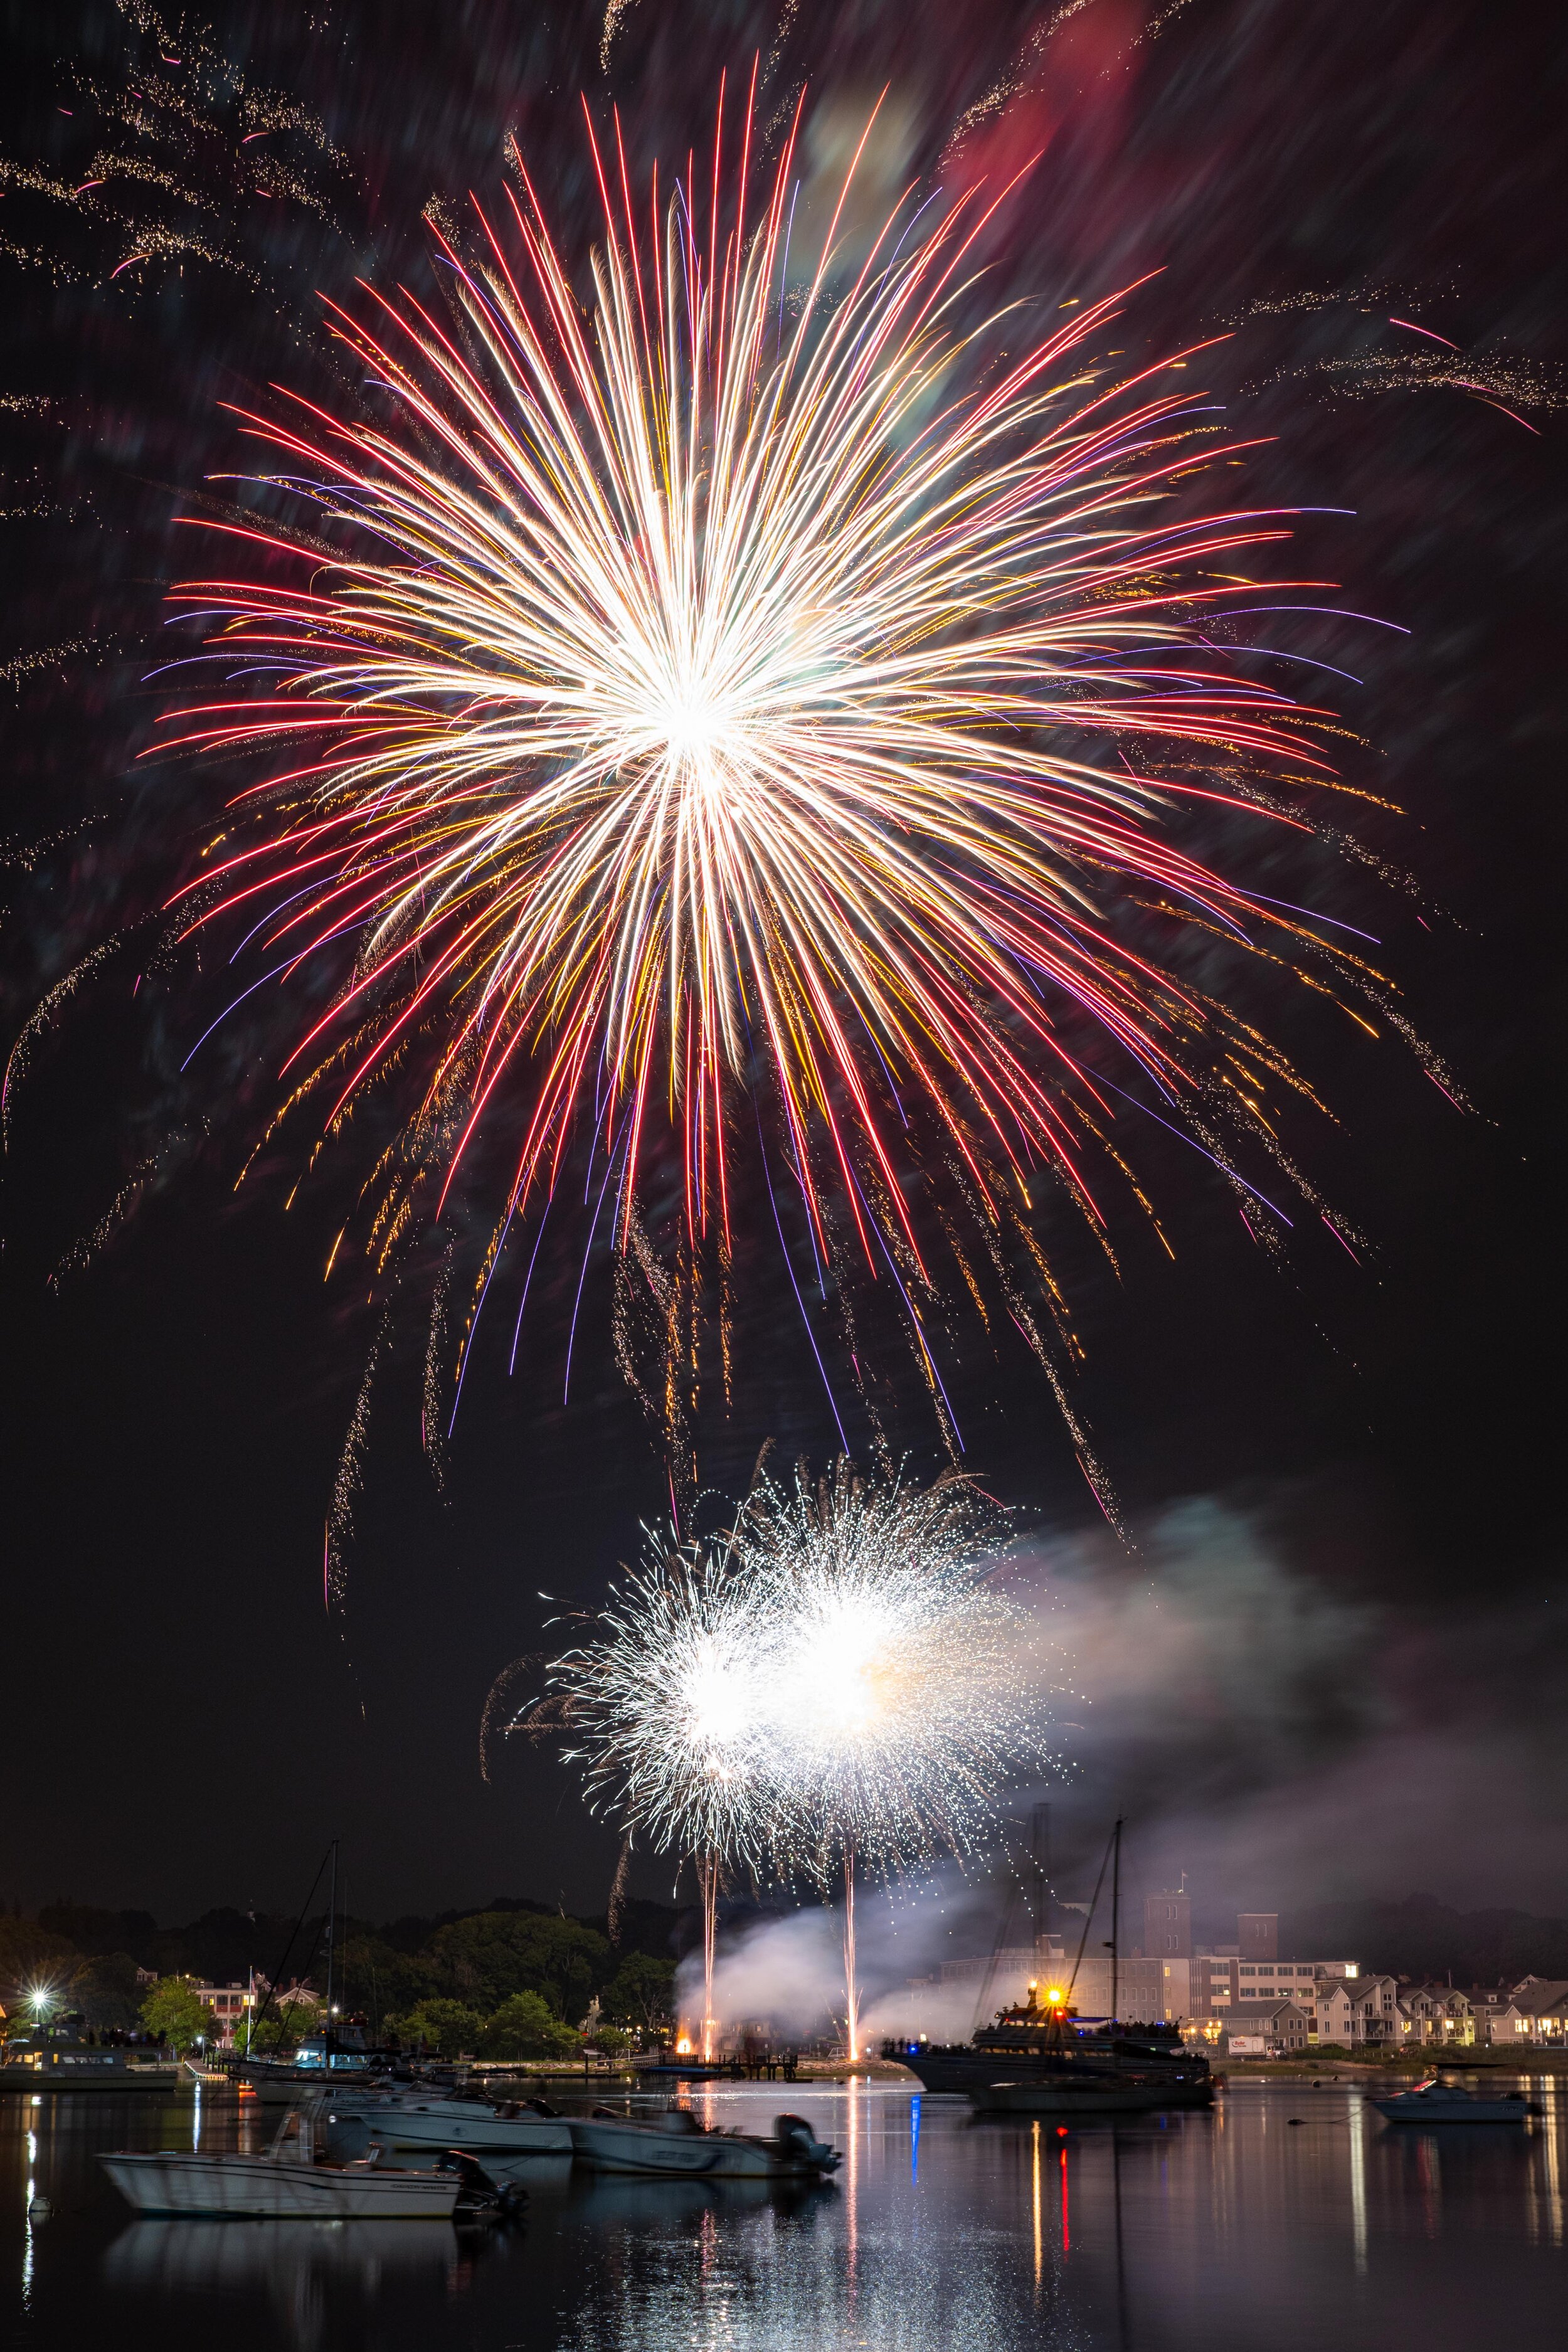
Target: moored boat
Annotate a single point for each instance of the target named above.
(1045, 2043)
(417, 2120)
(178, 2180)
(676, 2143)
(294, 2177)
(339, 2056)
(58, 2057)
(1432, 2102)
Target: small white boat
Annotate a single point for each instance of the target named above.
(676, 2143)
(178, 2180)
(1432, 2102)
(289, 2179)
(416, 2120)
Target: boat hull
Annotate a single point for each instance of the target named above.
(280, 2086)
(457, 2124)
(600, 2144)
(86, 2071)
(1105, 2097)
(177, 2181)
(1413, 2110)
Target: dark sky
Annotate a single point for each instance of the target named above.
(184, 1724)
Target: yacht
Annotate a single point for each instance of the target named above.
(1035, 2044)
(60, 2057)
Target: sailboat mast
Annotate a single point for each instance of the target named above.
(331, 1914)
(1115, 1920)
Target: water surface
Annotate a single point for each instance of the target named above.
(1241, 2227)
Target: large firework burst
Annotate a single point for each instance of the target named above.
(759, 679)
(905, 1690)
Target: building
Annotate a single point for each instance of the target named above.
(1266, 2029)
(1218, 1981)
(1357, 2010)
(1168, 1925)
(1258, 1935)
(1539, 2006)
(1436, 2013)
(1147, 1992)
(230, 2004)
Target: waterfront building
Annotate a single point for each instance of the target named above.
(1357, 2010)
(1264, 2029)
(1218, 1981)
(1541, 2007)
(1436, 2013)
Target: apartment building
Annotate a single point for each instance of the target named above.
(1358, 2010)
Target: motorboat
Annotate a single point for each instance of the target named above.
(58, 2057)
(300, 2175)
(1432, 2102)
(675, 2143)
(426, 2119)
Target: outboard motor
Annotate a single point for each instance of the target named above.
(480, 2198)
(796, 2136)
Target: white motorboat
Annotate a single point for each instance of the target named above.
(1432, 2102)
(415, 2119)
(180, 2181)
(676, 2143)
(292, 2178)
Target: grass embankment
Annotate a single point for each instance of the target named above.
(1341, 2064)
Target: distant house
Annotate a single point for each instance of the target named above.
(1435, 2013)
(229, 2005)
(1538, 2011)
(1352, 2010)
(1264, 2029)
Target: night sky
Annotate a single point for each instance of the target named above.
(185, 1723)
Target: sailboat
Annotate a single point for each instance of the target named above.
(1040, 2058)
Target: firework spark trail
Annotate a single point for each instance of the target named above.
(716, 700)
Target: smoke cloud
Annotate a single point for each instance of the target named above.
(1281, 1739)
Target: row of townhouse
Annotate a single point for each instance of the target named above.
(1361, 2011)
(1532, 2013)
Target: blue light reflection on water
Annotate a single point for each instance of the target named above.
(1153, 2235)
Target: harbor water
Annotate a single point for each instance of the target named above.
(1288, 2216)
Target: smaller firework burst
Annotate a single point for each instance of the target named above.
(664, 1708)
(837, 1682)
